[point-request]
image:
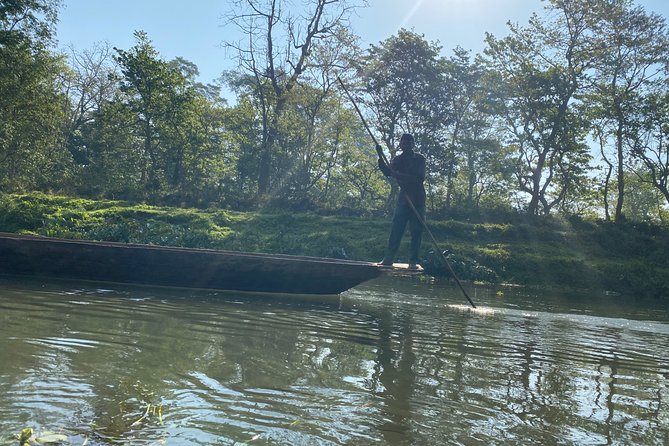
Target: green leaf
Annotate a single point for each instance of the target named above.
(47, 437)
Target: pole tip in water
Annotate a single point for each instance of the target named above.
(484, 311)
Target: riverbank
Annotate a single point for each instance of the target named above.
(604, 257)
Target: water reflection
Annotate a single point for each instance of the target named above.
(394, 378)
(392, 362)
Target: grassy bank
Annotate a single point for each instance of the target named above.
(629, 259)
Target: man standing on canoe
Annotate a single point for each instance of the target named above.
(408, 168)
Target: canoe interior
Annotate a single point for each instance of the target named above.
(179, 267)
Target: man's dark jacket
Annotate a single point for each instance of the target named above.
(409, 167)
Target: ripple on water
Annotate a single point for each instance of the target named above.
(392, 363)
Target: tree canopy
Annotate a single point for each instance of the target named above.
(566, 114)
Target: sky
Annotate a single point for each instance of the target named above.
(194, 29)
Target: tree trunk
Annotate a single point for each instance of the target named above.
(621, 170)
(533, 207)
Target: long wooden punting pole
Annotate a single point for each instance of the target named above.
(383, 158)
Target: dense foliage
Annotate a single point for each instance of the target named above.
(566, 115)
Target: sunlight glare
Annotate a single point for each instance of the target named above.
(411, 13)
(483, 311)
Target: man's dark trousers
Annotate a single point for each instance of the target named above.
(403, 215)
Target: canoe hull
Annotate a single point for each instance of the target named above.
(178, 267)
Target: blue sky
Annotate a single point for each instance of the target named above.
(194, 30)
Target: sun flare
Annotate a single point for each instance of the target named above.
(483, 311)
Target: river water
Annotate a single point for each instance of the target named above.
(395, 361)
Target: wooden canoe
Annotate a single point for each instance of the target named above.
(46, 257)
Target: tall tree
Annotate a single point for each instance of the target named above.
(481, 162)
(147, 83)
(632, 50)
(30, 105)
(156, 92)
(310, 125)
(541, 69)
(278, 40)
(87, 84)
(406, 93)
